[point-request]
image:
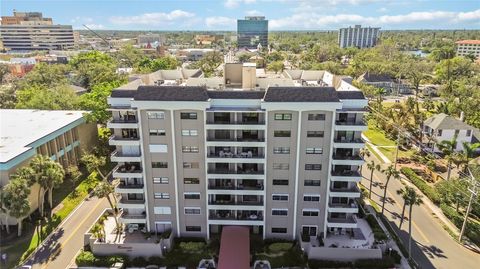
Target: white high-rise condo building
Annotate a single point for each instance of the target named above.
(282, 160)
(468, 47)
(358, 36)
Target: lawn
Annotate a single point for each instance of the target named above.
(31, 238)
(385, 145)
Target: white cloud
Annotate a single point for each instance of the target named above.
(236, 3)
(253, 12)
(382, 10)
(303, 19)
(220, 22)
(156, 18)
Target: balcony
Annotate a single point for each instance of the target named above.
(350, 125)
(347, 159)
(236, 139)
(127, 171)
(128, 218)
(351, 207)
(345, 175)
(235, 172)
(118, 156)
(343, 142)
(233, 202)
(238, 122)
(129, 188)
(133, 204)
(258, 187)
(349, 191)
(230, 157)
(130, 123)
(348, 222)
(124, 141)
(235, 217)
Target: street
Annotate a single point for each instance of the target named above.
(60, 249)
(432, 246)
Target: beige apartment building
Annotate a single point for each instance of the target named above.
(281, 159)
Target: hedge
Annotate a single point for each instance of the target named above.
(365, 263)
(421, 184)
(473, 229)
(86, 258)
(377, 230)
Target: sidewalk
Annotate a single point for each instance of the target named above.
(375, 148)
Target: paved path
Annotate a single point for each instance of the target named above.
(432, 246)
(60, 249)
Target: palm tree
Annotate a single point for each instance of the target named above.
(103, 190)
(389, 172)
(448, 149)
(414, 199)
(4, 210)
(469, 151)
(55, 174)
(15, 197)
(405, 193)
(98, 231)
(372, 167)
(94, 163)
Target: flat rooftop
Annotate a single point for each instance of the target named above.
(20, 128)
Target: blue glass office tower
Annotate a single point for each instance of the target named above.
(251, 31)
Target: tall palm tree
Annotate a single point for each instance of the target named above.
(104, 190)
(98, 231)
(414, 199)
(15, 198)
(95, 163)
(448, 149)
(55, 174)
(469, 151)
(405, 193)
(372, 167)
(364, 153)
(389, 172)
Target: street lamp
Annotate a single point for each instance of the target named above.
(389, 251)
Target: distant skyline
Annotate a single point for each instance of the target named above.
(282, 14)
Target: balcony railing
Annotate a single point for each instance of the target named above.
(343, 205)
(131, 120)
(239, 122)
(129, 186)
(236, 155)
(238, 139)
(232, 202)
(348, 140)
(114, 137)
(355, 157)
(121, 154)
(133, 202)
(347, 189)
(244, 172)
(346, 173)
(128, 169)
(342, 220)
(259, 187)
(229, 217)
(350, 122)
(126, 215)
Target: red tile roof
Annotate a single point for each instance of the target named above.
(473, 42)
(234, 248)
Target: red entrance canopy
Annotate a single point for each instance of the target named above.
(234, 248)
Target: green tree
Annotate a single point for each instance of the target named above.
(95, 101)
(95, 163)
(128, 56)
(406, 194)
(448, 149)
(372, 167)
(60, 97)
(106, 190)
(8, 98)
(469, 151)
(209, 62)
(45, 76)
(4, 71)
(390, 172)
(15, 199)
(417, 71)
(276, 67)
(73, 174)
(414, 199)
(55, 174)
(94, 67)
(274, 56)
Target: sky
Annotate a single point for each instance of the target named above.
(282, 14)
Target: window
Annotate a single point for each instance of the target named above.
(190, 165)
(280, 166)
(158, 115)
(155, 132)
(314, 151)
(281, 133)
(160, 148)
(276, 230)
(310, 213)
(281, 182)
(189, 132)
(280, 197)
(281, 150)
(193, 228)
(311, 182)
(316, 116)
(439, 132)
(191, 195)
(315, 133)
(190, 149)
(188, 116)
(191, 181)
(160, 180)
(161, 195)
(192, 210)
(159, 165)
(283, 116)
(162, 210)
(311, 198)
(313, 166)
(279, 212)
(469, 133)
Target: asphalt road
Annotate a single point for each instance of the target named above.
(432, 246)
(62, 246)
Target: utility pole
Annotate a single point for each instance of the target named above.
(473, 194)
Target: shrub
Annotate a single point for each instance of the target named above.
(421, 184)
(397, 258)
(375, 263)
(473, 229)
(87, 258)
(377, 230)
(155, 260)
(138, 262)
(192, 246)
(317, 264)
(279, 247)
(166, 234)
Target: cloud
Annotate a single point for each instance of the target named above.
(302, 19)
(220, 22)
(382, 10)
(253, 12)
(236, 3)
(156, 18)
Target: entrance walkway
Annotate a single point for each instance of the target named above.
(234, 248)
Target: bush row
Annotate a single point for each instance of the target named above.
(366, 263)
(421, 184)
(378, 232)
(473, 229)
